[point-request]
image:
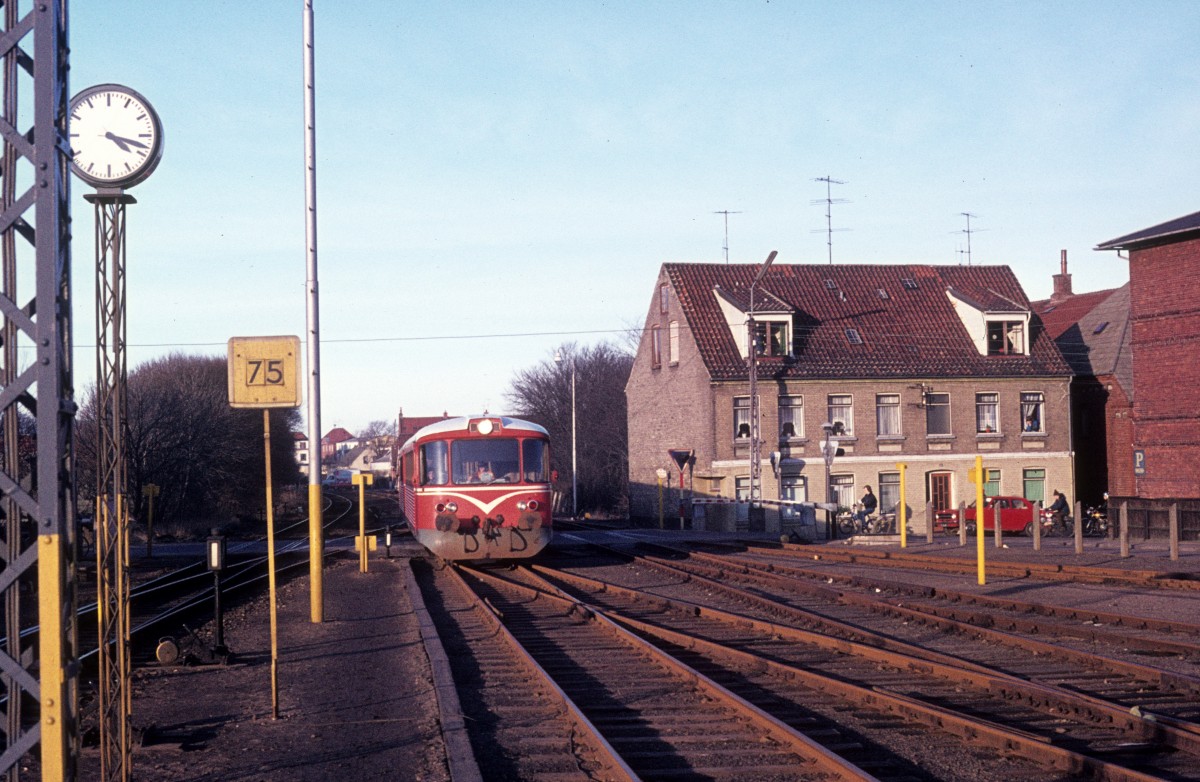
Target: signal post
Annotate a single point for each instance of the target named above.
(264, 372)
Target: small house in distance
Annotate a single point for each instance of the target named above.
(920, 365)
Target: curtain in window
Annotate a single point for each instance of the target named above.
(887, 414)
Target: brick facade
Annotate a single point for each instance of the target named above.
(680, 405)
(1164, 276)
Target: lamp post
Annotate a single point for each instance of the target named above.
(574, 473)
(752, 350)
(829, 450)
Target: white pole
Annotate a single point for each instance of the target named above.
(574, 471)
(315, 541)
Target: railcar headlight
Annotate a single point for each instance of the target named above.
(485, 426)
(442, 507)
(528, 505)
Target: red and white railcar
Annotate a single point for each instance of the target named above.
(477, 487)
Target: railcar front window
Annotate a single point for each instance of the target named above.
(536, 458)
(486, 461)
(433, 464)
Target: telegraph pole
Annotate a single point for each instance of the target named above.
(752, 349)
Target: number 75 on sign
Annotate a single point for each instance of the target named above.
(264, 372)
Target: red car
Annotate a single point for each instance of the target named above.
(1016, 515)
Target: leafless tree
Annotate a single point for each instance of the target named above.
(376, 429)
(206, 457)
(542, 394)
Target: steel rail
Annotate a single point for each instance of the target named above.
(1050, 572)
(582, 723)
(1028, 744)
(825, 761)
(1069, 613)
(778, 576)
(1079, 707)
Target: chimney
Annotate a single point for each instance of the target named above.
(1062, 281)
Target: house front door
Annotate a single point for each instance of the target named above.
(939, 491)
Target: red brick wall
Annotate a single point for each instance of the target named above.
(1165, 291)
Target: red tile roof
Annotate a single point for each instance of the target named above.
(337, 435)
(902, 312)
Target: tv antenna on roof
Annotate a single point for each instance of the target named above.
(968, 231)
(829, 201)
(726, 212)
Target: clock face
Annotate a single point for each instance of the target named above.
(116, 138)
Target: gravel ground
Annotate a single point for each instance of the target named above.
(354, 693)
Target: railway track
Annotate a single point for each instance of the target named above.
(1080, 574)
(560, 692)
(899, 685)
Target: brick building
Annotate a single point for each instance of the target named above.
(1092, 330)
(1164, 291)
(925, 365)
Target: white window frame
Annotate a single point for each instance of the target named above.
(794, 404)
(673, 342)
(986, 401)
(929, 406)
(655, 347)
(887, 415)
(845, 411)
(1033, 402)
(741, 415)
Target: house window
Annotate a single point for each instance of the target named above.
(741, 488)
(673, 343)
(1033, 408)
(841, 411)
(887, 414)
(741, 417)
(1005, 338)
(841, 489)
(791, 417)
(909, 283)
(889, 491)
(662, 298)
(937, 414)
(770, 338)
(853, 337)
(991, 483)
(794, 488)
(987, 413)
(655, 347)
(1034, 484)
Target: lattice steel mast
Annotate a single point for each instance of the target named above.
(36, 402)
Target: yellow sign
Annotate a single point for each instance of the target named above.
(264, 372)
(973, 475)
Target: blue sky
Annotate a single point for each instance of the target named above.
(491, 170)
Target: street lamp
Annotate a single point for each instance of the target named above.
(752, 349)
(574, 474)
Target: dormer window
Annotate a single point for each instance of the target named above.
(771, 338)
(1005, 338)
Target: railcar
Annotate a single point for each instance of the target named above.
(477, 488)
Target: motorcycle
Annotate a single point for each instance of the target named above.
(874, 524)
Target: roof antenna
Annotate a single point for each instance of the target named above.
(829, 201)
(726, 212)
(968, 231)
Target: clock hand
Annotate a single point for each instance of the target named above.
(123, 143)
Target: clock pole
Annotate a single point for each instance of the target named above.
(111, 512)
(116, 142)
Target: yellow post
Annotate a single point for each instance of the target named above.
(55, 689)
(362, 480)
(902, 517)
(271, 569)
(978, 479)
